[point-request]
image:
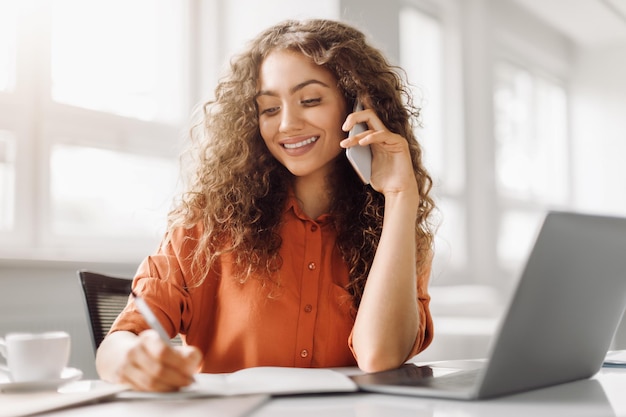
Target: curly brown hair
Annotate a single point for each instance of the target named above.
(238, 187)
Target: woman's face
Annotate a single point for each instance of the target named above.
(301, 111)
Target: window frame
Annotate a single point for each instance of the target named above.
(38, 122)
(538, 61)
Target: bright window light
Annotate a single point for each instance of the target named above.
(531, 137)
(421, 57)
(99, 192)
(7, 180)
(532, 156)
(517, 232)
(450, 239)
(8, 35)
(118, 56)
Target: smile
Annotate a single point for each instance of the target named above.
(301, 144)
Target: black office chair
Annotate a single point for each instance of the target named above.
(105, 297)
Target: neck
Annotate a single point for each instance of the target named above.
(313, 196)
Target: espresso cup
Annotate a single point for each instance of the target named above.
(35, 356)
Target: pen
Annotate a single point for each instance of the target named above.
(150, 318)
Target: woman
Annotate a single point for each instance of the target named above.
(277, 254)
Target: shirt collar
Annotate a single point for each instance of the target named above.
(293, 206)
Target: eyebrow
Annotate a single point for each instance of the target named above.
(294, 88)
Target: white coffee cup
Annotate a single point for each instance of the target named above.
(35, 356)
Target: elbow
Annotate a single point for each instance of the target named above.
(378, 357)
(378, 362)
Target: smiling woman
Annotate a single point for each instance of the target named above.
(276, 253)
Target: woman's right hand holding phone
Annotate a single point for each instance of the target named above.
(391, 166)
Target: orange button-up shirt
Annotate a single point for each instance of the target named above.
(303, 321)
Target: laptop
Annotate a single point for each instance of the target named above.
(559, 323)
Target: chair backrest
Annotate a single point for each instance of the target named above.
(105, 297)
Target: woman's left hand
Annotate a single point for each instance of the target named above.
(392, 169)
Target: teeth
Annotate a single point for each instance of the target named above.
(300, 144)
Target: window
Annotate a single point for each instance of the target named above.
(532, 155)
(7, 180)
(531, 141)
(422, 51)
(8, 33)
(87, 203)
(128, 71)
(421, 57)
(530, 149)
(94, 98)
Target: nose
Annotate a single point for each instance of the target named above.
(290, 119)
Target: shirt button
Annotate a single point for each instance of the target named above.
(314, 228)
(308, 308)
(312, 266)
(304, 353)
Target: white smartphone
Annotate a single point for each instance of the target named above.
(360, 156)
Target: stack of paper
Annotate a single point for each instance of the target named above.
(615, 358)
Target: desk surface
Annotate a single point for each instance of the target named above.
(603, 395)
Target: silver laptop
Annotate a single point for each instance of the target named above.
(560, 321)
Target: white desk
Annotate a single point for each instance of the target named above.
(603, 395)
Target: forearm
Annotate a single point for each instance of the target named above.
(386, 325)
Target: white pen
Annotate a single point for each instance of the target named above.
(150, 318)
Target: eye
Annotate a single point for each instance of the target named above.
(311, 102)
(269, 110)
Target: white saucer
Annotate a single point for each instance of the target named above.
(68, 375)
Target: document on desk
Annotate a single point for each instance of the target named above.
(268, 380)
(615, 358)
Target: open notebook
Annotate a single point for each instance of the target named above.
(268, 380)
(560, 321)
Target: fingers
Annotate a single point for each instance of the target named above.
(392, 168)
(367, 116)
(376, 134)
(192, 358)
(377, 131)
(153, 365)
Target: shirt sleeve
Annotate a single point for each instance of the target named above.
(425, 330)
(160, 281)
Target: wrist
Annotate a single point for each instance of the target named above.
(404, 198)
